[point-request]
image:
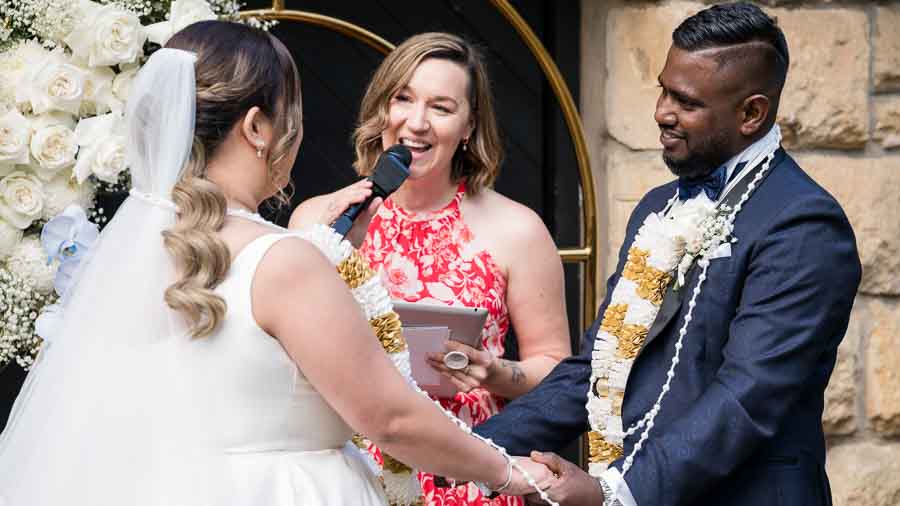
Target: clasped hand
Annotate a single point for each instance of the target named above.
(564, 482)
(570, 485)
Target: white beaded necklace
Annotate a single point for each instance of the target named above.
(249, 215)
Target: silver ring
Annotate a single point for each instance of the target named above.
(456, 360)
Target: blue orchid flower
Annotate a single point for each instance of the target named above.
(67, 238)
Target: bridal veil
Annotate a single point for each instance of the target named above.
(112, 412)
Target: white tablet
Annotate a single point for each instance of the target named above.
(465, 323)
(427, 327)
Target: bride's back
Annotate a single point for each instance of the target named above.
(268, 404)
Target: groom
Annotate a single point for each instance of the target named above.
(740, 419)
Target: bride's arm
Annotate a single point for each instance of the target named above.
(299, 298)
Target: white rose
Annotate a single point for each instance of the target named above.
(53, 85)
(15, 136)
(122, 83)
(52, 119)
(29, 260)
(63, 191)
(112, 36)
(107, 159)
(102, 148)
(685, 221)
(98, 92)
(16, 62)
(21, 199)
(54, 149)
(9, 238)
(182, 14)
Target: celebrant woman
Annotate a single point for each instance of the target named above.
(206, 356)
(446, 237)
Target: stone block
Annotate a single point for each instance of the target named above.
(638, 39)
(883, 368)
(887, 122)
(869, 191)
(864, 474)
(825, 100)
(629, 175)
(886, 48)
(839, 418)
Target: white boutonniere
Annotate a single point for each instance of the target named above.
(697, 228)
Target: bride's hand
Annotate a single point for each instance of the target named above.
(541, 475)
(325, 209)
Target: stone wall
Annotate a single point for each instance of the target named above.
(840, 116)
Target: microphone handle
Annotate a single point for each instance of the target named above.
(345, 221)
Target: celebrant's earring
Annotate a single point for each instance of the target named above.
(466, 144)
(259, 151)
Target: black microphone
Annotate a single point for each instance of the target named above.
(390, 171)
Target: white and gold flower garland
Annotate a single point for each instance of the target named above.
(400, 481)
(664, 248)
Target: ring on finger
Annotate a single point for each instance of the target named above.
(457, 361)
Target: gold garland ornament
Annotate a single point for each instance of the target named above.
(653, 258)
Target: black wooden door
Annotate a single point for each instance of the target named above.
(540, 168)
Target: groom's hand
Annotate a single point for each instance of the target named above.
(573, 487)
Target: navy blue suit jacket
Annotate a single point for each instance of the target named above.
(742, 422)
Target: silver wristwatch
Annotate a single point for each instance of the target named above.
(609, 498)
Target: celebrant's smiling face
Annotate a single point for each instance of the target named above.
(431, 116)
(697, 112)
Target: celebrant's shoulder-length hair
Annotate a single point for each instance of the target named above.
(238, 67)
(479, 164)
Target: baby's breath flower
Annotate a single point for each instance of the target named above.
(18, 342)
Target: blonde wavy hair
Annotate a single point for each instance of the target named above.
(238, 67)
(478, 165)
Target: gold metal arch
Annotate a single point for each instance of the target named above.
(587, 253)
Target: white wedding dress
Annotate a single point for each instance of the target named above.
(225, 420)
(285, 446)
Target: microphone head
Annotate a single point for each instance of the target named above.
(401, 152)
(391, 169)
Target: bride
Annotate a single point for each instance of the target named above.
(205, 356)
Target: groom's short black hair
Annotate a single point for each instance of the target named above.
(740, 25)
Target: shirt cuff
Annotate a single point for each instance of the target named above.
(619, 486)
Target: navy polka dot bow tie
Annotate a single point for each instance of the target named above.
(711, 184)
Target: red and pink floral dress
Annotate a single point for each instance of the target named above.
(427, 257)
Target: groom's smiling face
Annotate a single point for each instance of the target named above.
(696, 112)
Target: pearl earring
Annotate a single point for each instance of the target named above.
(466, 144)
(259, 151)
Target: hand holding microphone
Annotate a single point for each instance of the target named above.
(391, 169)
(344, 207)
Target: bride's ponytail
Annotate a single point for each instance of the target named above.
(201, 258)
(230, 79)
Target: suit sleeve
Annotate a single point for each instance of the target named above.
(795, 304)
(553, 414)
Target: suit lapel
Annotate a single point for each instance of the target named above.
(673, 299)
